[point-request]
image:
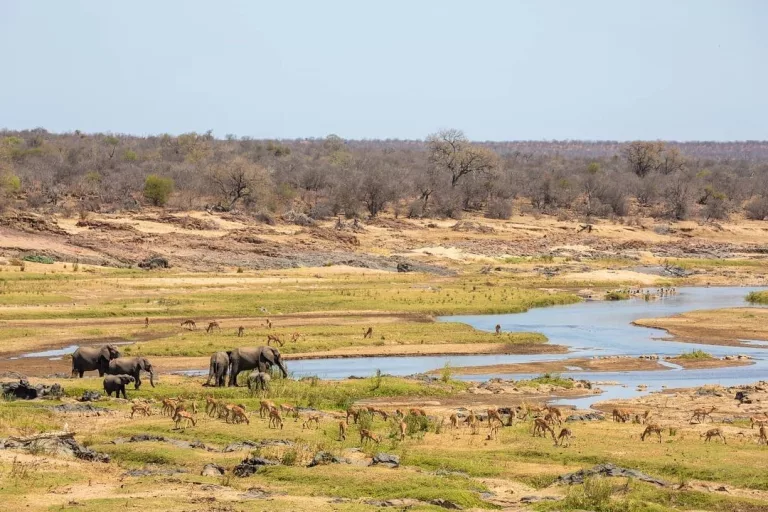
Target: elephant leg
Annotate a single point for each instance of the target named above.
(233, 375)
(81, 372)
(124, 395)
(101, 373)
(138, 380)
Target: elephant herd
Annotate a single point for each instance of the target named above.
(121, 371)
(260, 359)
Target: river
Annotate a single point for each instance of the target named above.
(588, 329)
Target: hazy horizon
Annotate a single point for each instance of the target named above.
(500, 71)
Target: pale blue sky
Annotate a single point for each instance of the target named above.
(501, 70)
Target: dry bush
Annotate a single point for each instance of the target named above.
(499, 209)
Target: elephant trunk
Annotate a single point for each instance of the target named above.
(281, 365)
(152, 377)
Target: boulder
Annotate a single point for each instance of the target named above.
(404, 267)
(211, 469)
(607, 469)
(385, 459)
(324, 458)
(154, 262)
(26, 391)
(250, 465)
(54, 443)
(90, 396)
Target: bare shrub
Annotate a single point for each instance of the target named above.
(499, 209)
(757, 208)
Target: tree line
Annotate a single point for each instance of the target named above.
(445, 175)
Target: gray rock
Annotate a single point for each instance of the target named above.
(80, 408)
(590, 416)
(26, 391)
(535, 499)
(385, 459)
(250, 465)
(440, 502)
(243, 445)
(211, 469)
(90, 396)
(324, 458)
(607, 470)
(155, 472)
(146, 438)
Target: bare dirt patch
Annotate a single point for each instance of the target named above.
(715, 327)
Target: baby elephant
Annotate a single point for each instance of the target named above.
(116, 384)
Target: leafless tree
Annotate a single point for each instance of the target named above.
(450, 151)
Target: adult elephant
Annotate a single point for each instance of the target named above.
(218, 369)
(254, 358)
(116, 384)
(88, 359)
(132, 366)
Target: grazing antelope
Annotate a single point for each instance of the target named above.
(374, 411)
(367, 333)
(275, 418)
(290, 409)
(701, 414)
(498, 329)
(403, 428)
(756, 420)
(454, 420)
(169, 406)
(268, 323)
(212, 325)
(474, 424)
(240, 331)
(274, 338)
(144, 409)
(399, 414)
(211, 405)
(556, 414)
(239, 415)
(184, 416)
(146, 322)
(354, 412)
(265, 406)
(493, 414)
(651, 429)
(295, 337)
(189, 324)
(417, 412)
(493, 432)
(763, 437)
(564, 437)
(366, 435)
(342, 430)
(713, 432)
(621, 415)
(541, 427)
(311, 418)
(472, 418)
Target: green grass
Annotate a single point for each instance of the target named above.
(616, 295)
(552, 379)
(757, 297)
(315, 338)
(126, 296)
(695, 354)
(350, 482)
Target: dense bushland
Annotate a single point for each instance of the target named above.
(445, 175)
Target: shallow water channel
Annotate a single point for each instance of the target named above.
(587, 329)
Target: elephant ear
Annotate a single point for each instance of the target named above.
(144, 364)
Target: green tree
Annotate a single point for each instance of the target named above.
(157, 189)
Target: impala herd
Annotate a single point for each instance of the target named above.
(545, 419)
